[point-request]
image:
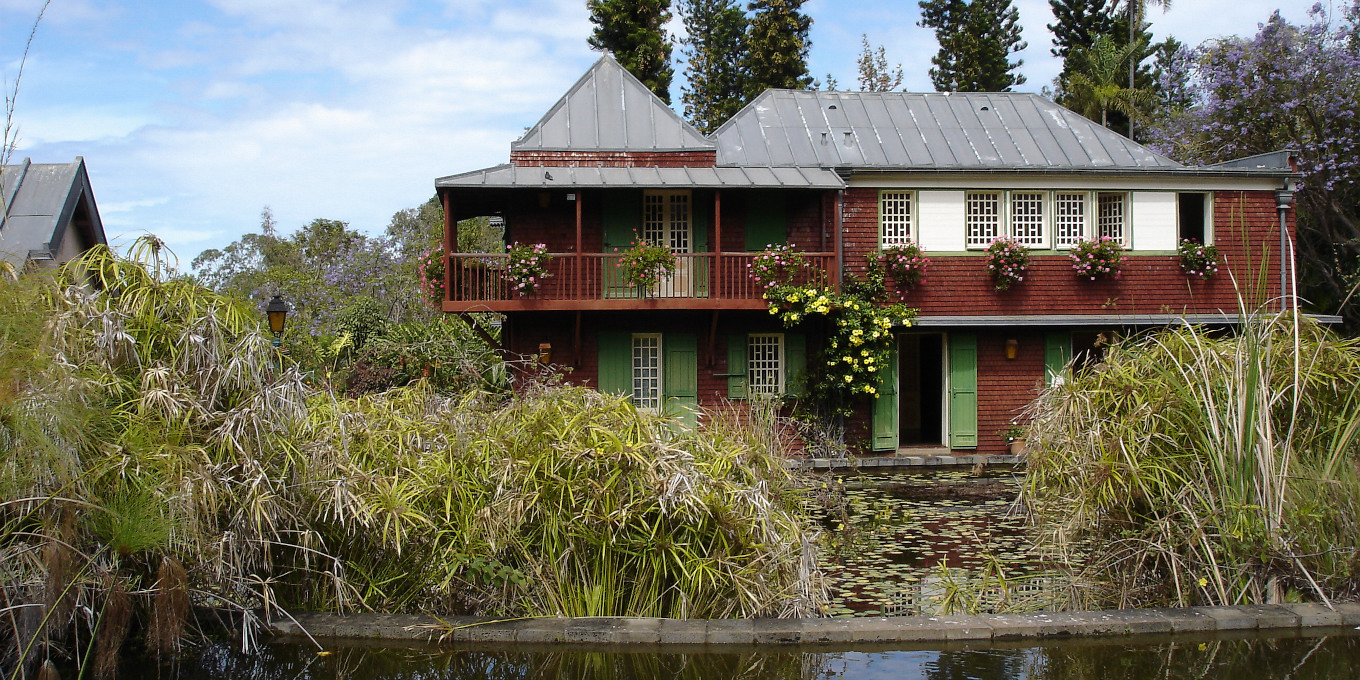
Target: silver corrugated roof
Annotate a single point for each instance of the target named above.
(609, 109)
(901, 130)
(40, 202)
(519, 177)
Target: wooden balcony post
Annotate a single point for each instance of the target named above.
(717, 289)
(577, 285)
(839, 241)
(450, 242)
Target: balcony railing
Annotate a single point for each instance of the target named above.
(595, 280)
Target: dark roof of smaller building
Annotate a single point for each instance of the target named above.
(931, 131)
(609, 109)
(41, 200)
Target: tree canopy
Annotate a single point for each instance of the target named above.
(634, 31)
(976, 39)
(777, 46)
(714, 49)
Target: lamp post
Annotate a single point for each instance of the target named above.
(277, 311)
(1283, 199)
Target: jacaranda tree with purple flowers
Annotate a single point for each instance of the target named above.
(1287, 87)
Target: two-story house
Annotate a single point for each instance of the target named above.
(838, 176)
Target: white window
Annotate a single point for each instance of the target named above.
(982, 215)
(1069, 218)
(765, 363)
(894, 217)
(666, 219)
(1112, 216)
(647, 371)
(1027, 217)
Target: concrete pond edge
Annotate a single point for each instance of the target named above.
(650, 631)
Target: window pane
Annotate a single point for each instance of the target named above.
(1069, 219)
(894, 210)
(654, 218)
(1027, 217)
(765, 363)
(679, 216)
(983, 217)
(1110, 216)
(647, 371)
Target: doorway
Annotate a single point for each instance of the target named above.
(920, 389)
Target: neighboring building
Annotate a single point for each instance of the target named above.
(49, 213)
(839, 175)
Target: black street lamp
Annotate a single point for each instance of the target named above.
(277, 310)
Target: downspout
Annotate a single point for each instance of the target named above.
(1283, 199)
(840, 253)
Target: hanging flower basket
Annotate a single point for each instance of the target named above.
(526, 267)
(645, 264)
(1007, 262)
(1197, 259)
(1100, 258)
(906, 263)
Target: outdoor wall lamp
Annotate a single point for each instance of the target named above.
(1012, 349)
(544, 352)
(277, 311)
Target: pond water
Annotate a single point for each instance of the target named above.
(900, 541)
(1336, 655)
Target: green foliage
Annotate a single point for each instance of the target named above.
(874, 73)
(526, 267)
(906, 263)
(859, 340)
(441, 350)
(714, 49)
(1097, 258)
(1097, 84)
(644, 264)
(976, 39)
(1205, 468)
(777, 265)
(634, 31)
(1198, 259)
(777, 46)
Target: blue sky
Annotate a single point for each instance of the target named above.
(193, 115)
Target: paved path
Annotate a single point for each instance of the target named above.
(621, 630)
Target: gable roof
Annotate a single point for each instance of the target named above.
(42, 200)
(609, 109)
(917, 131)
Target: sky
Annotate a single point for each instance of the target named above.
(193, 115)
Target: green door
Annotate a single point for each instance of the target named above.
(701, 203)
(963, 397)
(884, 414)
(620, 221)
(766, 221)
(1057, 354)
(680, 377)
(615, 363)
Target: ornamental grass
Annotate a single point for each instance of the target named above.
(157, 454)
(1194, 467)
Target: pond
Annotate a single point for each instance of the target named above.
(1335, 655)
(900, 543)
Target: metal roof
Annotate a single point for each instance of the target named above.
(609, 109)
(40, 201)
(518, 177)
(1271, 160)
(913, 131)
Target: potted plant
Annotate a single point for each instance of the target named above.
(906, 263)
(1198, 259)
(1014, 435)
(1097, 258)
(777, 265)
(526, 267)
(1007, 261)
(644, 264)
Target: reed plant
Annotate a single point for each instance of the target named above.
(1195, 466)
(157, 455)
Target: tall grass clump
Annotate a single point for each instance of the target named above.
(1203, 467)
(158, 457)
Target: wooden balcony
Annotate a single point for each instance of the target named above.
(594, 281)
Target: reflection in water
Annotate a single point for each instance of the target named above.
(1300, 658)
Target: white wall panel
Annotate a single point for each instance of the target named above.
(1154, 220)
(941, 220)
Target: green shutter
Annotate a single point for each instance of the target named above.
(765, 220)
(795, 364)
(680, 377)
(736, 366)
(615, 363)
(884, 415)
(701, 205)
(1057, 354)
(621, 219)
(963, 398)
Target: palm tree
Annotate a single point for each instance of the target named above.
(1137, 9)
(1095, 87)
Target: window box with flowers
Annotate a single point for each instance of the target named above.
(1097, 258)
(1007, 262)
(1198, 259)
(526, 267)
(645, 264)
(906, 263)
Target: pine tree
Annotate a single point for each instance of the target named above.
(874, 72)
(777, 46)
(976, 40)
(634, 31)
(713, 53)
(1078, 23)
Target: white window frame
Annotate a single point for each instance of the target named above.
(976, 235)
(1062, 239)
(668, 219)
(758, 370)
(639, 380)
(1098, 222)
(1036, 240)
(896, 217)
